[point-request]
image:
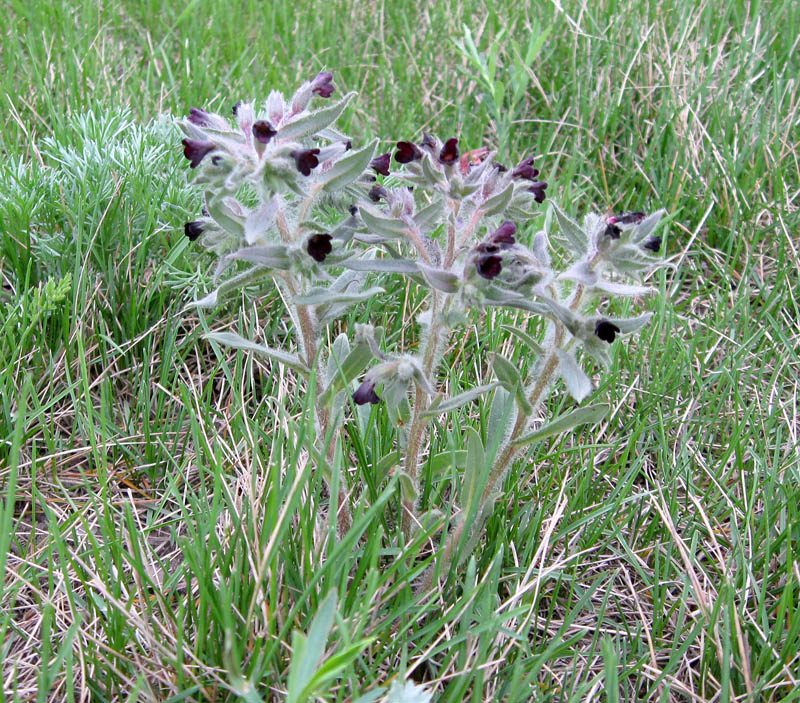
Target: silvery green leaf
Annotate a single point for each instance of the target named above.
(407, 488)
(502, 416)
(372, 238)
(348, 168)
(257, 274)
(407, 692)
(345, 230)
(647, 225)
(339, 351)
(275, 256)
(510, 378)
(387, 463)
(571, 235)
(320, 296)
(444, 460)
(444, 281)
(581, 272)
(577, 382)
(236, 341)
(623, 289)
(525, 338)
(474, 471)
(312, 122)
(540, 248)
(382, 265)
(260, 220)
(221, 210)
(499, 201)
(628, 325)
(631, 260)
(431, 173)
(343, 369)
(529, 305)
(591, 414)
(564, 315)
(428, 216)
(598, 350)
(476, 171)
(383, 226)
(495, 295)
(456, 401)
(308, 650)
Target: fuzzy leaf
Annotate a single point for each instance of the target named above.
(426, 218)
(407, 692)
(324, 296)
(274, 256)
(260, 220)
(307, 656)
(348, 168)
(499, 201)
(577, 382)
(382, 265)
(571, 236)
(591, 414)
(312, 122)
(622, 289)
(525, 338)
(230, 339)
(628, 325)
(457, 401)
(257, 274)
(444, 281)
(509, 377)
(384, 226)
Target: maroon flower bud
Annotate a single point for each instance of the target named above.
(321, 85)
(306, 159)
(500, 167)
(626, 218)
(348, 145)
(381, 164)
(365, 393)
(606, 330)
(612, 231)
(353, 210)
(199, 117)
(449, 153)
(525, 170)
(196, 151)
(489, 266)
(193, 230)
(236, 107)
(538, 189)
(377, 192)
(263, 131)
(407, 152)
(319, 246)
(653, 244)
(504, 236)
(428, 141)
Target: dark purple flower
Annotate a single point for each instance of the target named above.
(449, 153)
(321, 85)
(489, 266)
(353, 210)
(377, 192)
(348, 145)
(319, 246)
(653, 244)
(407, 152)
(381, 164)
(525, 169)
(365, 393)
(198, 117)
(196, 151)
(504, 236)
(306, 159)
(538, 189)
(612, 231)
(626, 218)
(500, 168)
(605, 329)
(236, 107)
(263, 131)
(193, 230)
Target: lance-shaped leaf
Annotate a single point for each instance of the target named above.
(230, 339)
(312, 122)
(499, 201)
(325, 296)
(431, 173)
(382, 265)
(275, 256)
(571, 235)
(622, 289)
(228, 217)
(254, 275)
(439, 279)
(589, 415)
(407, 488)
(628, 325)
(525, 338)
(444, 460)
(260, 220)
(474, 478)
(343, 368)
(383, 226)
(429, 216)
(509, 377)
(456, 401)
(348, 168)
(647, 225)
(577, 382)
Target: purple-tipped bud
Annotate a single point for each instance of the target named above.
(321, 85)
(538, 189)
(365, 393)
(348, 145)
(449, 153)
(612, 231)
(193, 230)
(198, 117)
(306, 159)
(626, 218)
(489, 266)
(407, 152)
(525, 170)
(236, 107)
(353, 210)
(381, 164)
(319, 246)
(263, 131)
(500, 168)
(605, 329)
(428, 141)
(377, 192)
(196, 151)
(653, 244)
(504, 236)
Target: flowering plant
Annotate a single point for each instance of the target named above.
(453, 223)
